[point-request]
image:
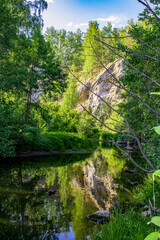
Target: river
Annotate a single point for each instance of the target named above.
(50, 197)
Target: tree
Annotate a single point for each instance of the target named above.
(90, 60)
(27, 61)
(67, 45)
(139, 81)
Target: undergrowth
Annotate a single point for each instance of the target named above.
(124, 226)
(57, 141)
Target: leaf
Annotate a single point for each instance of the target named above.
(156, 173)
(152, 236)
(157, 129)
(156, 221)
(155, 93)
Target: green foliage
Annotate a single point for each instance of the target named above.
(157, 129)
(156, 173)
(143, 192)
(7, 143)
(153, 236)
(140, 118)
(70, 96)
(28, 63)
(106, 136)
(155, 220)
(56, 141)
(91, 46)
(85, 125)
(129, 225)
(64, 121)
(67, 45)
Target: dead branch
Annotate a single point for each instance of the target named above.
(129, 156)
(105, 124)
(145, 3)
(122, 87)
(135, 53)
(155, 50)
(128, 126)
(135, 69)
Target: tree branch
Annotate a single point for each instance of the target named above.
(149, 8)
(142, 74)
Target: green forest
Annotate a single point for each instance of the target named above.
(41, 109)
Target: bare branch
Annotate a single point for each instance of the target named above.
(142, 74)
(118, 37)
(133, 137)
(155, 50)
(116, 120)
(105, 124)
(122, 87)
(129, 156)
(149, 8)
(128, 126)
(135, 53)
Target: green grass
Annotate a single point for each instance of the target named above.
(127, 226)
(142, 193)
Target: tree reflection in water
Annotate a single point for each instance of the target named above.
(52, 196)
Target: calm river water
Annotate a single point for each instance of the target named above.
(50, 197)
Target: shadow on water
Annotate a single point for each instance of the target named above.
(50, 197)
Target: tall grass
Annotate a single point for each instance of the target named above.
(128, 226)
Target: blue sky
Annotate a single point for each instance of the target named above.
(73, 14)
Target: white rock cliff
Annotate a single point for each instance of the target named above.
(103, 86)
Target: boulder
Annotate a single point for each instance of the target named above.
(100, 216)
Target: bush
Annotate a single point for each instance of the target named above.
(144, 192)
(57, 141)
(106, 136)
(7, 143)
(64, 121)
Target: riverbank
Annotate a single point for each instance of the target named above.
(131, 223)
(38, 153)
(50, 143)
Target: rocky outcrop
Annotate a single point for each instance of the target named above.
(103, 86)
(36, 93)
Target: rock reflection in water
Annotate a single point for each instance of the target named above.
(98, 178)
(38, 197)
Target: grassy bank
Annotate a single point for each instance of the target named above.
(131, 223)
(125, 226)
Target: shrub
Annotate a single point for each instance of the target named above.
(57, 141)
(7, 143)
(106, 136)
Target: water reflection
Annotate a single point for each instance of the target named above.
(50, 198)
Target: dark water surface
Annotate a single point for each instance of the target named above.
(50, 197)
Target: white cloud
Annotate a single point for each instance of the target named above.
(115, 20)
(70, 24)
(81, 25)
(50, 1)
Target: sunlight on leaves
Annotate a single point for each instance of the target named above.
(156, 173)
(155, 93)
(156, 221)
(152, 236)
(157, 129)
